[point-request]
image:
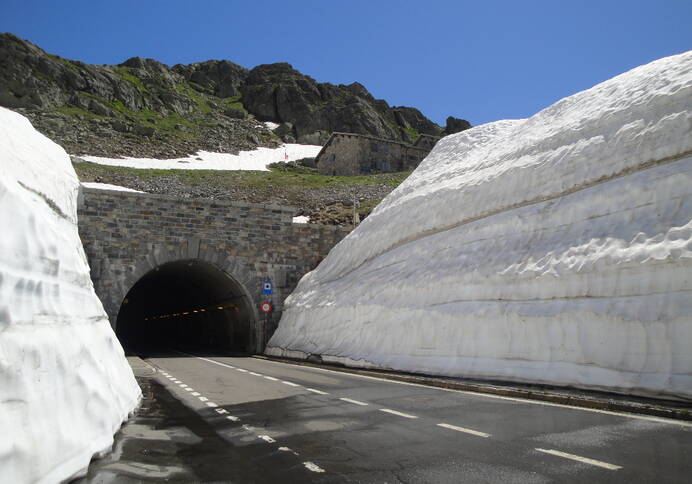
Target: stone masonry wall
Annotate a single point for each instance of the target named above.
(125, 235)
(350, 154)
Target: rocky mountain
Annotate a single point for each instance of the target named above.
(145, 108)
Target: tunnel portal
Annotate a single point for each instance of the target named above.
(186, 305)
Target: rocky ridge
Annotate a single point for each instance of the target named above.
(148, 109)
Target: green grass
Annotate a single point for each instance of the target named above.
(412, 133)
(125, 73)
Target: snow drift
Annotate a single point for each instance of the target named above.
(555, 249)
(65, 385)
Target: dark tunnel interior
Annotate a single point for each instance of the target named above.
(186, 305)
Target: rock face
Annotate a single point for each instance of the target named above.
(555, 249)
(145, 108)
(65, 386)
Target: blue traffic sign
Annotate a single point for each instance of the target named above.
(267, 288)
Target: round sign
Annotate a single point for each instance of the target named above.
(265, 307)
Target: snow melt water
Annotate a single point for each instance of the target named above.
(65, 386)
(555, 249)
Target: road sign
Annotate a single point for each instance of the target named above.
(267, 288)
(265, 307)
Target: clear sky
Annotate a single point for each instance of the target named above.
(481, 60)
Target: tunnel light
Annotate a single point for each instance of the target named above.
(220, 308)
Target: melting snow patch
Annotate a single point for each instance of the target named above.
(107, 186)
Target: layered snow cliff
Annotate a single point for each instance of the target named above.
(65, 385)
(555, 249)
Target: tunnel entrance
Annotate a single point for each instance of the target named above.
(186, 305)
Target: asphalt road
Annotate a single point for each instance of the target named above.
(278, 422)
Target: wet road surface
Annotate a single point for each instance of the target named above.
(225, 419)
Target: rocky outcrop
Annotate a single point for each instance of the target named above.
(145, 108)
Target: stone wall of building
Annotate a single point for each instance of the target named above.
(348, 154)
(126, 235)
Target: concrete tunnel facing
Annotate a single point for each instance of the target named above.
(186, 305)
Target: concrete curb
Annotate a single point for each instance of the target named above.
(572, 397)
(141, 367)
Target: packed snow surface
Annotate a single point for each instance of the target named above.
(301, 219)
(256, 159)
(555, 249)
(65, 385)
(108, 186)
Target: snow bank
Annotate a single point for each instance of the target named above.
(65, 386)
(555, 249)
(108, 186)
(257, 159)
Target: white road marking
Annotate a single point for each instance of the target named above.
(289, 383)
(195, 394)
(240, 369)
(394, 412)
(462, 429)
(203, 399)
(484, 395)
(211, 404)
(188, 389)
(255, 374)
(357, 402)
(319, 392)
(221, 411)
(182, 385)
(266, 438)
(288, 449)
(271, 378)
(176, 381)
(585, 460)
(311, 466)
(232, 418)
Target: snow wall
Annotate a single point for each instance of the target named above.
(555, 250)
(65, 385)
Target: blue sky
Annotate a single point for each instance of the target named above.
(479, 60)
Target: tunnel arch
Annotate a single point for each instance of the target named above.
(187, 304)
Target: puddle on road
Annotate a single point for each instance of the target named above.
(166, 440)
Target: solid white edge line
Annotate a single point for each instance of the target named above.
(462, 429)
(490, 395)
(319, 392)
(289, 383)
(357, 402)
(311, 466)
(255, 374)
(585, 460)
(242, 370)
(394, 412)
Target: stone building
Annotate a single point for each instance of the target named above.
(350, 154)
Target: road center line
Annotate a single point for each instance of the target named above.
(585, 460)
(462, 429)
(289, 383)
(319, 392)
(357, 402)
(311, 466)
(394, 412)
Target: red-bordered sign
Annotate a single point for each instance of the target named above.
(265, 307)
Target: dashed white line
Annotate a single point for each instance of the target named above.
(267, 439)
(394, 412)
(311, 466)
(176, 381)
(221, 411)
(211, 404)
(232, 418)
(319, 392)
(289, 383)
(585, 460)
(182, 385)
(357, 402)
(188, 389)
(203, 399)
(195, 394)
(288, 449)
(271, 378)
(462, 429)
